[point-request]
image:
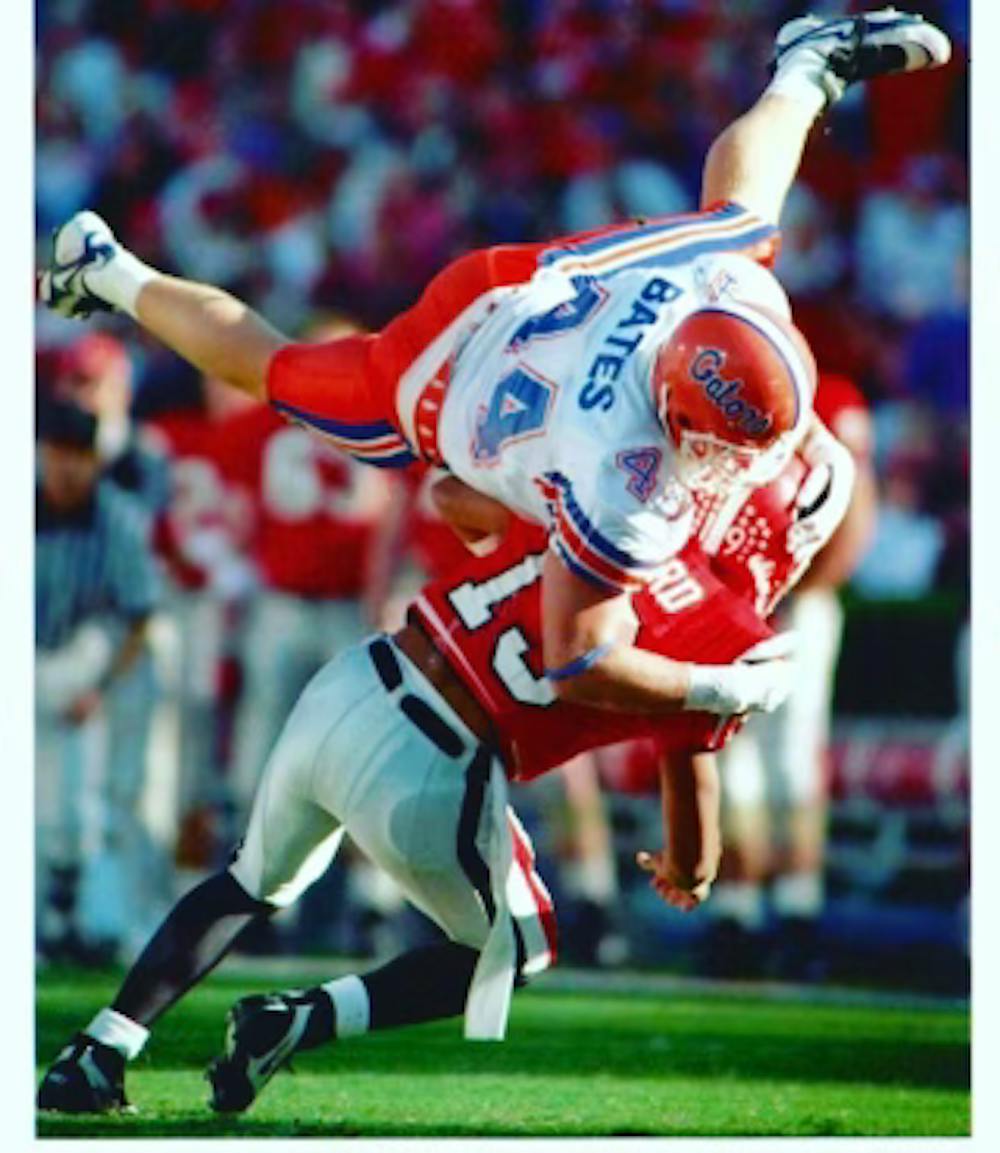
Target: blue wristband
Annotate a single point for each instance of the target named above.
(579, 664)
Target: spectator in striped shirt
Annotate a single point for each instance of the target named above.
(96, 587)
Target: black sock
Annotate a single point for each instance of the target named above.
(197, 933)
(422, 985)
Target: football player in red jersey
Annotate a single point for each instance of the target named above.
(774, 787)
(408, 743)
(315, 513)
(202, 536)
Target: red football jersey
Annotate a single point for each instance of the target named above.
(203, 501)
(486, 617)
(315, 509)
(753, 558)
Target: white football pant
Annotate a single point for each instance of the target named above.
(350, 759)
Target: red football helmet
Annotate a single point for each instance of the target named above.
(734, 387)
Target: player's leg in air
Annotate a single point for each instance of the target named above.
(373, 749)
(752, 162)
(755, 159)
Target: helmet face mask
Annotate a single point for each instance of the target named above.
(707, 464)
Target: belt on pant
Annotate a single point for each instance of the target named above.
(420, 650)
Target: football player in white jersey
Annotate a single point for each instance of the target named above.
(584, 382)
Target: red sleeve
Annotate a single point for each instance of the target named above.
(333, 389)
(325, 381)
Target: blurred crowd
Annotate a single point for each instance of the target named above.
(323, 158)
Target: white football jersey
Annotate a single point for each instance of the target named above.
(550, 408)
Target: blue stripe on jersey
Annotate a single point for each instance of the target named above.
(359, 432)
(591, 535)
(400, 459)
(581, 664)
(574, 566)
(357, 440)
(688, 252)
(616, 236)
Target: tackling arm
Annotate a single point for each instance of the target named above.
(587, 640)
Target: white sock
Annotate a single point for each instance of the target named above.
(118, 1031)
(801, 79)
(591, 877)
(351, 1005)
(740, 901)
(120, 280)
(798, 895)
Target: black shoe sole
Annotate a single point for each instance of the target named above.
(231, 1088)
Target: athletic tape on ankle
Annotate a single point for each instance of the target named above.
(350, 1004)
(119, 1032)
(121, 280)
(802, 86)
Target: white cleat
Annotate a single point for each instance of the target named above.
(81, 246)
(861, 47)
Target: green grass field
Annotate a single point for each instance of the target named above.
(575, 1063)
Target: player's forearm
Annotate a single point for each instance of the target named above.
(220, 335)
(588, 635)
(78, 667)
(690, 794)
(627, 679)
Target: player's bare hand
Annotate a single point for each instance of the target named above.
(677, 889)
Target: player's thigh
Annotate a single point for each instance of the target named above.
(292, 835)
(129, 706)
(799, 731)
(416, 813)
(201, 629)
(742, 771)
(447, 836)
(817, 619)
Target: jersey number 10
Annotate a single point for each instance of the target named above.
(474, 601)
